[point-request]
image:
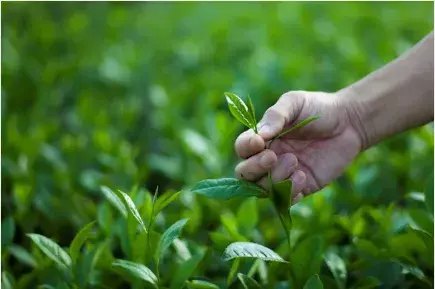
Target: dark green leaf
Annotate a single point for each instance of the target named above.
(314, 283)
(8, 231)
(79, 240)
(227, 188)
(136, 270)
(250, 250)
(51, 250)
(247, 215)
(307, 258)
(248, 282)
(297, 126)
(168, 237)
(239, 110)
(185, 270)
(367, 283)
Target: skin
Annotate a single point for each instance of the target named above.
(393, 99)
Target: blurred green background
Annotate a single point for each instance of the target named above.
(125, 94)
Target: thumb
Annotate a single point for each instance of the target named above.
(283, 112)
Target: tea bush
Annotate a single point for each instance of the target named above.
(113, 112)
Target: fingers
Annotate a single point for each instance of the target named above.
(298, 179)
(248, 144)
(284, 168)
(277, 116)
(255, 167)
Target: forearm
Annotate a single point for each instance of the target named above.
(397, 97)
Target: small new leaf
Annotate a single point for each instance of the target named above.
(251, 110)
(79, 240)
(239, 110)
(114, 200)
(227, 188)
(136, 270)
(51, 250)
(169, 236)
(201, 284)
(164, 201)
(132, 208)
(297, 126)
(250, 250)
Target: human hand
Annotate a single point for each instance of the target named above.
(311, 156)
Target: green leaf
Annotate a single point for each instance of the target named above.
(168, 237)
(128, 202)
(314, 283)
(367, 283)
(247, 215)
(297, 126)
(239, 110)
(164, 201)
(79, 240)
(22, 255)
(200, 284)
(8, 281)
(248, 282)
(227, 188)
(136, 270)
(428, 193)
(281, 197)
(186, 269)
(337, 267)
(233, 271)
(114, 200)
(51, 249)
(307, 258)
(250, 250)
(251, 110)
(8, 230)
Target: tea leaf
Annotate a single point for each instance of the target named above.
(200, 284)
(132, 208)
(247, 216)
(239, 110)
(251, 110)
(22, 255)
(428, 193)
(8, 231)
(227, 188)
(314, 283)
(114, 200)
(297, 126)
(367, 283)
(168, 237)
(79, 240)
(164, 201)
(51, 250)
(337, 267)
(233, 271)
(248, 282)
(250, 250)
(282, 195)
(136, 270)
(186, 269)
(310, 249)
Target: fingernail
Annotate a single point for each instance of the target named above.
(290, 160)
(265, 128)
(267, 160)
(298, 177)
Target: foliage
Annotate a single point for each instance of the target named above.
(104, 102)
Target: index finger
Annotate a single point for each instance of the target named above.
(248, 144)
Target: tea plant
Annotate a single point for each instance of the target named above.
(279, 193)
